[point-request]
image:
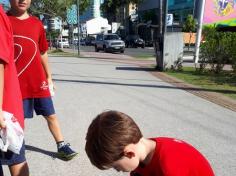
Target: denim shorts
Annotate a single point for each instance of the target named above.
(41, 106)
(9, 158)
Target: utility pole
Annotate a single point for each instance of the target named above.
(157, 42)
(199, 31)
(78, 24)
(160, 16)
(163, 6)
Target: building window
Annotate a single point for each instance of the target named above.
(180, 1)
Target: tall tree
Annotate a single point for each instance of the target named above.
(110, 7)
(55, 8)
(190, 26)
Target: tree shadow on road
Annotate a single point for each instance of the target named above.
(45, 152)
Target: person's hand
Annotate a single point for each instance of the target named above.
(52, 87)
(50, 82)
(2, 122)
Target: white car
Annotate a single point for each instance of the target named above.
(63, 43)
(109, 42)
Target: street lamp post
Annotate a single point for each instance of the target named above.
(78, 23)
(199, 31)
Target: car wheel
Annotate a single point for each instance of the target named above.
(122, 51)
(96, 48)
(105, 49)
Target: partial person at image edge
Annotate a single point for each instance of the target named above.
(34, 72)
(10, 97)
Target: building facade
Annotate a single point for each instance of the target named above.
(182, 8)
(148, 15)
(93, 11)
(179, 8)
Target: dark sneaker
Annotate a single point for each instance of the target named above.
(66, 153)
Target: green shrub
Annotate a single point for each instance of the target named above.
(233, 52)
(218, 49)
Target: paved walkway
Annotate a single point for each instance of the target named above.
(147, 65)
(88, 86)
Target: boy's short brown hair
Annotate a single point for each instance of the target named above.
(108, 134)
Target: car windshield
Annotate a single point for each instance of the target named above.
(111, 37)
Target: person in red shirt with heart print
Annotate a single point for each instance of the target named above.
(33, 70)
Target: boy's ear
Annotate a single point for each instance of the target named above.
(129, 151)
(129, 154)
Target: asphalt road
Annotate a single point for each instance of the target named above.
(88, 86)
(133, 52)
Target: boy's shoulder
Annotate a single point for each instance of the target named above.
(35, 19)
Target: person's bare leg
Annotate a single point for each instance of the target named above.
(54, 127)
(64, 150)
(21, 169)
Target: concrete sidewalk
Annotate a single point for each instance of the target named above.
(88, 86)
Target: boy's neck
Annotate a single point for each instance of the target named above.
(148, 150)
(19, 15)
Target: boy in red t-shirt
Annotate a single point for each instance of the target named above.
(115, 141)
(33, 70)
(10, 96)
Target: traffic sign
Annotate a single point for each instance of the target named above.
(72, 15)
(169, 20)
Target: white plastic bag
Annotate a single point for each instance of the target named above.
(51, 89)
(12, 136)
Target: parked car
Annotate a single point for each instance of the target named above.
(89, 41)
(134, 41)
(149, 43)
(109, 42)
(82, 42)
(64, 43)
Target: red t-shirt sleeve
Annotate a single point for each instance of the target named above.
(4, 43)
(43, 44)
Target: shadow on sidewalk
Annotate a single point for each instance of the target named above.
(146, 85)
(42, 151)
(148, 69)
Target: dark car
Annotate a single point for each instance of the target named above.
(134, 41)
(82, 42)
(89, 41)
